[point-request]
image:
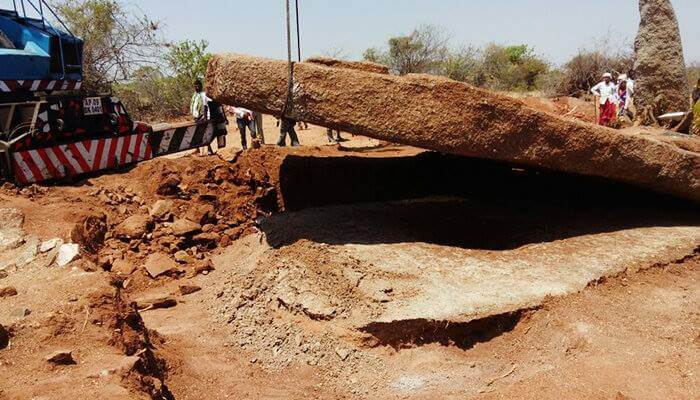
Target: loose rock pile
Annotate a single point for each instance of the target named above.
(19, 249)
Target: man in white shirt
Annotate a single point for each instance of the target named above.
(606, 92)
(199, 105)
(625, 95)
(199, 108)
(244, 119)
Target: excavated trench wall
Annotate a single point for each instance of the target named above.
(452, 117)
(462, 202)
(307, 181)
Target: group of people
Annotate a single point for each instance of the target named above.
(250, 121)
(615, 98)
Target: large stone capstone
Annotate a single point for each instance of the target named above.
(661, 76)
(452, 117)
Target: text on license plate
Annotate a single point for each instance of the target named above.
(92, 106)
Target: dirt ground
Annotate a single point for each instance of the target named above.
(359, 270)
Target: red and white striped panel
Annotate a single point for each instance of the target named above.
(81, 157)
(8, 86)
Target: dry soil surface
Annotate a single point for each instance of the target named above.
(365, 271)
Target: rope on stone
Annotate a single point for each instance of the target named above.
(290, 83)
(296, 14)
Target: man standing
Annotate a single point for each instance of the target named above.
(605, 90)
(337, 139)
(287, 127)
(244, 119)
(622, 97)
(629, 84)
(260, 132)
(199, 105)
(199, 108)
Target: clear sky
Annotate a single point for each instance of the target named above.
(556, 28)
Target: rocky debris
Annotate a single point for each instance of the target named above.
(123, 267)
(183, 257)
(11, 218)
(201, 213)
(20, 312)
(160, 264)
(365, 66)
(377, 290)
(458, 119)
(122, 366)
(306, 280)
(4, 337)
(61, 357)
(161, 210)
(661, 78)
(155, 302)
(189, 289)
(8, 291)
(11, 238)
(203, 267)
(134, 227)
(343, 353)
(184, 227)
(50, 244)
(45, 260)
(316, 307)
(86, 265)
(67, 253)
(169, 186)
(3, 274)
(20, 256)
(208, 239)
(117, 196)
(90, 232)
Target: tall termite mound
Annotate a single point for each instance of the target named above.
(662, 81)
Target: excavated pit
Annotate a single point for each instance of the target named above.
(463, 202)
(413, 250)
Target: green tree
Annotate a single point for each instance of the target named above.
(188, 59)
(151, 93)
(117, 42)
(512, 67)
(422, 51)
(463, 65)
(374, 55)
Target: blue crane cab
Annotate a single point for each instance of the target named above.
(33, 49)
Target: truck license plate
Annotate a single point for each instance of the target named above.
(92, 106)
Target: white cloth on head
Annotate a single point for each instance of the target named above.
(606, 91)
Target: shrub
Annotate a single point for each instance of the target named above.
(514, 68)
(422, 51)
(585, 69)
(463, 65)
(497, 67)
(152, 94)
(693, 73)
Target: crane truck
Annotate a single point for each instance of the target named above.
(50, 128)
